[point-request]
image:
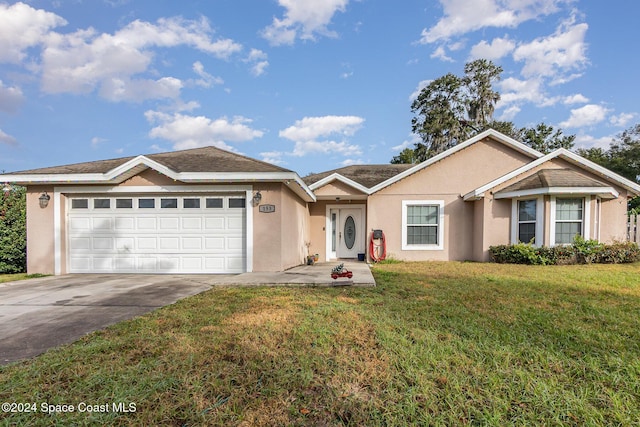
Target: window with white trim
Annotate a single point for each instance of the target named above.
(527, 220)
(422, 224)
(569, 219)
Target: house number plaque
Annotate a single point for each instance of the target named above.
(267, 208)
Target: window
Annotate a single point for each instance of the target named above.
(101, 203)
(236, 203)
(214, 203)
(191, 203)
(568, 222)
(527, 221)
(146, 203)
(168, 203)
(124, 203)
(80, 204)
(422, 224)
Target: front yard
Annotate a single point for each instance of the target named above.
(434, 343)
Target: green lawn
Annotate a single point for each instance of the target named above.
(19, 276)
(433, 344)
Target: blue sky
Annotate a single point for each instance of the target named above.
(310, 85)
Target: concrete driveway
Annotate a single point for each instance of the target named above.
(39, 314)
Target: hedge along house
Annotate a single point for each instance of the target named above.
(210, 211)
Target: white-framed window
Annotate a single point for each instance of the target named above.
(527, 216)
(570, 216)
(422, 224)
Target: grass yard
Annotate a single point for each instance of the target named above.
(433, 344)
(18, 276)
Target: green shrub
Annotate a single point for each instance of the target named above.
(521, 253)
(13, 232)
(580, 252)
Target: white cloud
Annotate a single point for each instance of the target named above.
(349, 162)
(82, 61)
(303, 19)
(577, 98)
(7, 139)
(588, 141)
(461, 18)
(421, 85)
(199, 131)
(622, 120)
(22, 27)
(206, 80)
(441, 54)
(585, 116)
(313, 135)
(273, 157)
(509, 113)
(515, 90)
(125, 89)
(407, 143)
(11, 98)
(562, 51)
(258, 61)
(498, 48)
(96, 141)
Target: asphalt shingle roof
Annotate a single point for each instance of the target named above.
(365, 175)
(554, 178)
(205, 159)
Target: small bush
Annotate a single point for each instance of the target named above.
(580, 252)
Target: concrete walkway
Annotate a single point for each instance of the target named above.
(309, 275)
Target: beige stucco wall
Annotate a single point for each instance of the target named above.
(337, 189)
(280, 237)
(613, 219)
(150, 177)
(448, 180)
(40, 232)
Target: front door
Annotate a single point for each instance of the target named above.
(346, 232)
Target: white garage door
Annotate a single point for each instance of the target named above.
(157, 234)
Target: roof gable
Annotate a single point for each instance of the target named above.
(199, 165)
(360, 177)
(569, 156)
(490, 133)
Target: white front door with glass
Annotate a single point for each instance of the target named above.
(345, 236)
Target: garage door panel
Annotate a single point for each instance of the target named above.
(125, 244)
(177, 240)
(192, 223)
(80, 264)
(147, 224)
(214, 223)
(192, 243)
(125, 224)
(169, 243)
(103, 263)
(214, 243)
(125, 264)
(80, 243)
(80, 224)
(169, 223)
(102, 243)
(102, 223)
(235, 223)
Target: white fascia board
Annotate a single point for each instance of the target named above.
(605, 192)
(337, 177)
(53, 178)
(624, 182)
(518, 146)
